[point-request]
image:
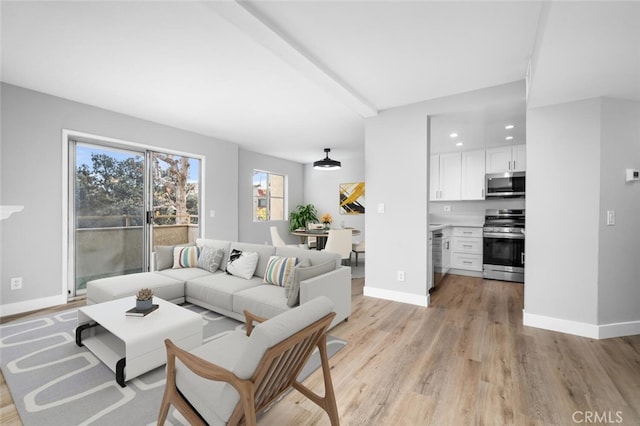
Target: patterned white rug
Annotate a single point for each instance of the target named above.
(55, 382)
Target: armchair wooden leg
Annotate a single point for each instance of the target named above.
(328, 402)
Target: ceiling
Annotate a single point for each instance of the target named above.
(290, 78)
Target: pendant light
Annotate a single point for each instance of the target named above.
(326, 163)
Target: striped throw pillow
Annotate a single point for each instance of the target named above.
(185, 257)
(278, 270)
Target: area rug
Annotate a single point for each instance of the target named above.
(55, 382)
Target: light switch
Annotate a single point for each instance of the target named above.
(380, 207)
(611, 217)
(212, 213)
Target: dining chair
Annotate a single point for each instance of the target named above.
(357, 248)
(312, 242)
(339, 241)
(277, 241)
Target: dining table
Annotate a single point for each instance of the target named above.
(320, 235)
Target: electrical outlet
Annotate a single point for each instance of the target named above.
(400, 275)
(16, 283)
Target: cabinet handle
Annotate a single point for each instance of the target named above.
(467, 262)
(514, 165)
(466, 246)
(522, 258)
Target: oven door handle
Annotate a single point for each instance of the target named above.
(503, 235)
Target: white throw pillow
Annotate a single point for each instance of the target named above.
(242, 263)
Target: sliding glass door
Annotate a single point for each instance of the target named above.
(123, 202)
(108, 213)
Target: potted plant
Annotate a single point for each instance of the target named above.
(301, 216)
(144, 299)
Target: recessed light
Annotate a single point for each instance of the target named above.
(509, 126)
(508, 138)
(459, 144)
(453, 135)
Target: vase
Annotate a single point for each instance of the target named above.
(326, 226)
(143, 305)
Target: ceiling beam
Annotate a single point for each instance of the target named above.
(249, 21)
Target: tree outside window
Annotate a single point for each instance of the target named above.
(268, 196)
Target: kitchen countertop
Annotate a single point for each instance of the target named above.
(439, 226)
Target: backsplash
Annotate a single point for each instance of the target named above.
(469, 211)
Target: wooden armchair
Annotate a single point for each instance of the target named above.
(230, 379)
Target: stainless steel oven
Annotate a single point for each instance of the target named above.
(503, 245)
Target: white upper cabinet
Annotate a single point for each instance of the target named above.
(519, 158)
(472, 179)
(445, 177)
(506, 159)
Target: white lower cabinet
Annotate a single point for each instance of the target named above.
(466, 250)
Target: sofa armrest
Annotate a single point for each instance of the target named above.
(336, 285)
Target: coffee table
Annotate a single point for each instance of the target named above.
(130, 346)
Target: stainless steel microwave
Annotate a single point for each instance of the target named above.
(505, 185)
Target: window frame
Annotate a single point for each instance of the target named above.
(255, 201)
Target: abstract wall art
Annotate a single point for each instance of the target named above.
(352, 198)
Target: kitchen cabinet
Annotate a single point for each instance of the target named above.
(472, 177)
(506, 159)
(445, 177)
(441, 254)
(466, 248)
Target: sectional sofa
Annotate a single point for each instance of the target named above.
(283, 278)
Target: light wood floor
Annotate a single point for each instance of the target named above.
(466, 360)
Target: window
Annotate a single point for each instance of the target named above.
(268, 196)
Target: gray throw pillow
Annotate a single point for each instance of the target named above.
(210, 259)
(304, 273)
(164, 257)
(304, 263)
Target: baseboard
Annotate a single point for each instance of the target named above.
(397, 296)
(32, 305)
(619, 329)
(576, 328)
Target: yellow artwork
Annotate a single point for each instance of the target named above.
(352, 198)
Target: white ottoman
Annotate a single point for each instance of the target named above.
(105, 289)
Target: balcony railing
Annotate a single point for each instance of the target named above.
(103, 251)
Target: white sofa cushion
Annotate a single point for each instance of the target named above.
(264, 300)
(218, 289)
(315, 257)
(111, 288)
(184, 274)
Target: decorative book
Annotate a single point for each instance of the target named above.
(135, 312)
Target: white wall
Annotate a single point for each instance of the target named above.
(563, 193)
(397, 167)
(259, 232)
(582, 276)
(619, 254)
(31, 175)
(321, 188)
